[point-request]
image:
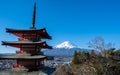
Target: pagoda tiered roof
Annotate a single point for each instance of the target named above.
(20, 32)
(18, 44)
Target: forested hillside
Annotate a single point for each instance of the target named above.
(92, 64)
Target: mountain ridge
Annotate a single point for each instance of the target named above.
(66, 45)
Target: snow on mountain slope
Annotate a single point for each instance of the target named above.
(66, 45)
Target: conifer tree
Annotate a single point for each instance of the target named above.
(76, 58)
(83, 56)
(92, 53)
(87, 55)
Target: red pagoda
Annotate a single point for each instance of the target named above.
(30, 44)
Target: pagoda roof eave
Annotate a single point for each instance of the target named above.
(16, 56)
(20, 42)
(14, 43)
(41, 32)
(22, 30)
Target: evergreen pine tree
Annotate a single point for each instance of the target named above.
(76, 58)
(83, 56)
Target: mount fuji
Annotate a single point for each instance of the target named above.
(66, 45)
(65, 48)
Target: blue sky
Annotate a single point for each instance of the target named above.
(77, 21)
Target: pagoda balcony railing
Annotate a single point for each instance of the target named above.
(26, 66)
(18, 66)
(24, 52)
(21, 52)
(36, 39)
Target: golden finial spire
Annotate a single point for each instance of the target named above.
(33, 17)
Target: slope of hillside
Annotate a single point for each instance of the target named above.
(83, 69)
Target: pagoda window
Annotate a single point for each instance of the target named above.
(37, 63)
(38, 50)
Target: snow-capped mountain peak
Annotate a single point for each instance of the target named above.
(66, 45)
